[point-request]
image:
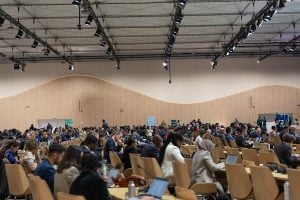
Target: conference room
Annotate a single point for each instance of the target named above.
(149, 99)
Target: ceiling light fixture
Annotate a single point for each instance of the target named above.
(20, 34)
(46, 52)
(284, 52)
(76, 2)
(181, 3)
(293, 47)
(98, 32)
(213, 64)
(89, 20)
(71, 67)
(2, 20)
(34, 44)
(108, 51)
(165, 64)
(20, 67)
(103, 43)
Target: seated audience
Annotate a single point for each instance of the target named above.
(30, 159)
(228, 135)
(240, 138)
(89, 183)
(130, 148)
(114, 143)
(171, 152)
(284, 151)
(68, 169)
(203, 166)
(90, 144)
(45, 170)
(152, 150)
(10, 152)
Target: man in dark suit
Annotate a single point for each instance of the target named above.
(240, 138)
(89, 183)
(113, 143)
(45, 170)
(284, 151)
(152, 150)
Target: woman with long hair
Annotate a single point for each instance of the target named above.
(170, 152)
(9, 152)
(30, 159)
(68, 169)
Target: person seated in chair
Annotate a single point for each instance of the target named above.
(284, 151)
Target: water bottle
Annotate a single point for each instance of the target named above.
(286, 190)
(104, 168)
(131, 190)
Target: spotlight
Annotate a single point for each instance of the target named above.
(89, 20)
(20, 67)
(231, 49)
(268, 15)
(34, 44)
(118, 65)
(178, 17)
(213, 64)
(284, 52)
(76, 2)
(103, 43)
(71, 67)
(259, 23)
(253, 28)
(226, 53)
(168, 55)
(20, 34)
(181, 3)
(46, 51)
(16, 66)
(108, 51)
(2, 20)
(175, 30)
(98, 33)
(172, 39)
(293, 47)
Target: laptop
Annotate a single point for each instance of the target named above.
(157, 188)
(231, 159)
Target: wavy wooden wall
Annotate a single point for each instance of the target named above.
(99, 99)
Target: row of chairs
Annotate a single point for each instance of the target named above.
(21, 185)
(260, 184)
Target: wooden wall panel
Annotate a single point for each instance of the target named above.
(87, 100)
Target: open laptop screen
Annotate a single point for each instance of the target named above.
(231, 159)
(158, 187)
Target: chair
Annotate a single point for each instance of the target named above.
(40, 189)
(184, 193)
(189, 162)
(64, 196)
(265, 157)
(219, 142)
(250, 154)
(235, 152)
(248, 163)
(239, 182)
(277, 140)
(263, 146)
(294, 180)
(215, 154)
(137, 164)
(221, 153)
(115, 160)
(151, 168)
(233, 144)
(18, 182)
(264, 184)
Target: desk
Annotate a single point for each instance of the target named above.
(118, 193)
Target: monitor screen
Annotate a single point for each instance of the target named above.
(231, 159)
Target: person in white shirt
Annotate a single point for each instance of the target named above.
(30, 159)
(171, 152)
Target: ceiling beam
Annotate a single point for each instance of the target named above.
(32, 35)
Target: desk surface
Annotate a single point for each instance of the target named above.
(118, 193)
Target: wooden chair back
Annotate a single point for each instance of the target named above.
(204, 188)
(233, 144)
(40, 189)
(215, 154)
(264, 184)
(152, 168)
(239, 182)
(115, 159)
(184, 193)
(248, 163)
(235, 152)
(294, 183)
(181, 174)
(222, 155)
(64, 196)
(137, 164)
(17, 180)
(265, 157)
(276, 139)
(219, 142)
(189, 162)
(250, 154)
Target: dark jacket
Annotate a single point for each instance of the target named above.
(110, 145)
(241, 141)
(126, 158)
(284, 154)
(150, 150)
(90, 185)
(46, 172)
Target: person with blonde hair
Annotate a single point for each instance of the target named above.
(203, 166)
(30, 159)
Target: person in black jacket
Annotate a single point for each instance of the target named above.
(130, 148)
(89, 183)
(284, 151)
(240, 139)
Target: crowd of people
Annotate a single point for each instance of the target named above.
(79, 169)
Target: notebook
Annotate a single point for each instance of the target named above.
(231, 159)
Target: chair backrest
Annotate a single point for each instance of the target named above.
(204, 188)
(219, 142)
(227, 143)
(184, 193)
(248, 163)
(181, 174)
(221, 152)
(18, 182)
(114, 158)
(233, 144)
(277, 140)
(250, 154)
(264, 184)
(64, 196)
(263, 146)
(215, 154)
(239, 182)
(235, 152)
(137, 164)
(294, 183)
(151, 168)
(189, 162)
(40, 189)
(265, 157)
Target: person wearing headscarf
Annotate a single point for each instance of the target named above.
(203, 166)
